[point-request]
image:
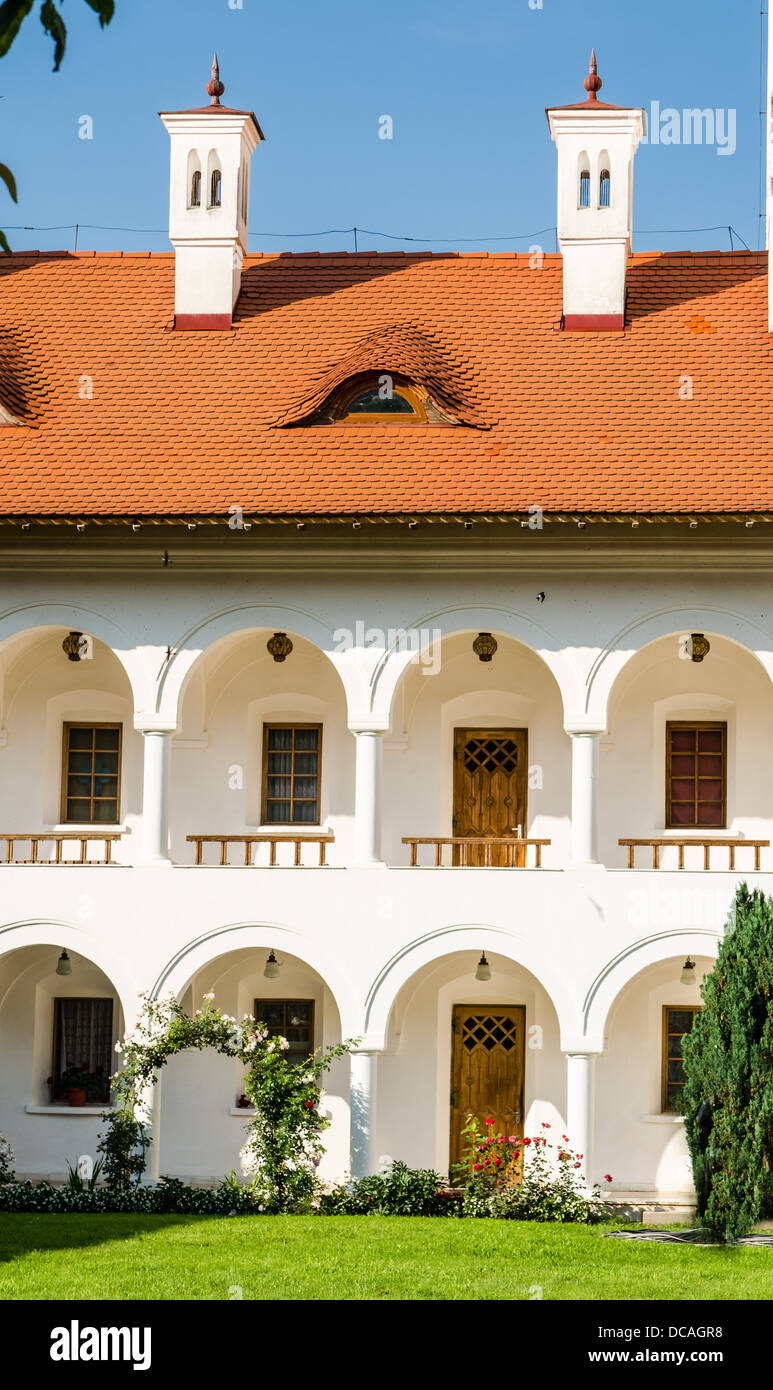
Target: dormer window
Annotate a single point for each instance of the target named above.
(382, 399)
(196, 189)
(215, 188)
(605, 189)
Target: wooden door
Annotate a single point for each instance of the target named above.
(487, 1067)
(490, 781)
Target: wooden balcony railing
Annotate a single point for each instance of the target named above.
(467, 848)
(271, 840)
(706, 845)
(59, 838)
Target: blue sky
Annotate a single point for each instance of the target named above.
(466, 86)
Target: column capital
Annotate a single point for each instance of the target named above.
(372, 725)
(148, 724)
(578, 728)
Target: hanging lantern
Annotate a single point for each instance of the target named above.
(687, 976)
(271, 971)
(279, 646)
(483, 969)
(64, 964)
(484, 646)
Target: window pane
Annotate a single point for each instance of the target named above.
(279, 786)
(79, 810)
(105, 811)
(280, 738)
(298, 1014)
(682, 740)
(304, 812)
(683, 813)
(682, 765)
(708, 765)
(79, 762)
(106, 762)
(278, 812)
(272, 1014)
(675, 1072)
(306, 738)
(106, 739)
(710, 815)
(81, 738)
(710, 740)
(680, 1020)
(371, 403)
(79, 786)
(306, 762)
(682, 790)
(280, 762)
(306, 787)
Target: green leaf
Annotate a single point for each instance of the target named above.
(104, 8)
(4, 244)
(9, 181)
(12, 15)
(54, 25)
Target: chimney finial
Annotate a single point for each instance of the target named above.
(593, 82)
(215, 87)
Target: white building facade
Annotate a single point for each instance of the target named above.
(396, 795)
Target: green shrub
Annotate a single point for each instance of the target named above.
(400, 1191)
(728, 1060)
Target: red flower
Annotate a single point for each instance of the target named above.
(545, 1124)
(527, 1141)
(607, 1177)
(578, 1165)
(501, 1139)
(489, 1122)
(490, 1139)
(477, 1167)
(513, 1138)
(497, 1163)
(565, 1138)
(309, 1104)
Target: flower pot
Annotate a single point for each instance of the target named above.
(75, 1096)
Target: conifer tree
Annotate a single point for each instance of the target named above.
(728, 1059)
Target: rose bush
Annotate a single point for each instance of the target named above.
(529, 1179)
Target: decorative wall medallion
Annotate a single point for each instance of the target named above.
(279, 646)
(74, 645)
(700, 646)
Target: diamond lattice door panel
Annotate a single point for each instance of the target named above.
(490, 782)
(487, 1068)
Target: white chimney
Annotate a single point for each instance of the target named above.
(211, 149)
(596, 145)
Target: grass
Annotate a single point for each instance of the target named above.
(369, 1257)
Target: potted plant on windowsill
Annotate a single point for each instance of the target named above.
(82, 1086)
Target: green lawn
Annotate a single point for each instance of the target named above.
(296, 1257)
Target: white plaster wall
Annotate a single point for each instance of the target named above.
(43, 1144)
(655, 687)
(642, 1154)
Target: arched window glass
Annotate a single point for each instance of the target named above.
(215, 188)
(196, 188)
(585, 188)
(381, 398)
(605, 189)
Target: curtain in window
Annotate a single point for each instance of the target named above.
(84, 1034)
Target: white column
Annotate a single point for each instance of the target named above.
(367, 797)
(363, 1088)
(155, 797)
(580, 1072)
(585, 758)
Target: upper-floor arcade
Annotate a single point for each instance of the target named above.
(475, 724)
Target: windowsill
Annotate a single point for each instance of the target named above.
(88, 828)
(241, 1110)
(56, 1108)
(666, 1117)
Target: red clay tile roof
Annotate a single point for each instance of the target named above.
(184, 424)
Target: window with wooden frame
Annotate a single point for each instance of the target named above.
(83, 1047)
(677, 1023)
(696, 775)
(380, 399)
(289, 1018)
(91, 773)
(292, 770)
